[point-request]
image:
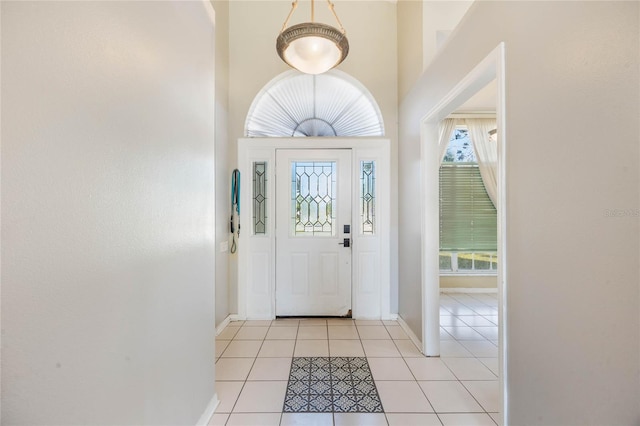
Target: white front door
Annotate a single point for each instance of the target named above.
(313, 221)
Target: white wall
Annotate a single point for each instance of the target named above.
(223, 171)
(423, 27)
(410, 49)
(254, 27)
(439, 18)
(107, 212)
(572, 119)
(468, 281)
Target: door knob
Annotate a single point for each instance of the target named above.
(346, 242)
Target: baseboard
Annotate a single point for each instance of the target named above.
(410, 333)
(390, 317)
(467, 290)
(223, 325)
(229, 319)
(208, 412)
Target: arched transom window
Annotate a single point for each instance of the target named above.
(329, 104)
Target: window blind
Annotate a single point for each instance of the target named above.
(468, 220)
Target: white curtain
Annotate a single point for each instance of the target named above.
(486, 153)
(447, 126)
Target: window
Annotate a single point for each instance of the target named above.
(367, 197)
(260, 198)
(468, 263)
(299, 105)
(460, 149)
(468, 219)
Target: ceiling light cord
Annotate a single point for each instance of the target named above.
(294, 5)
(332, 7)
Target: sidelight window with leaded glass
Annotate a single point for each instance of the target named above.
(260, 198)
(367, 197)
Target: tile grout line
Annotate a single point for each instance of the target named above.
(244, 383)
(420, 387)
(293, 354)
(246, 379)
(476, 358)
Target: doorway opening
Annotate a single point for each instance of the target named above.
(490, 69)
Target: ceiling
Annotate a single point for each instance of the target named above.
(483, 101)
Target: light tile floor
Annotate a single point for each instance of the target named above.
(253, 360)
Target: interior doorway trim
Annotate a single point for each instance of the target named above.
(490, 68)
(371, 276)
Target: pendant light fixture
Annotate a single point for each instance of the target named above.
(312, 47)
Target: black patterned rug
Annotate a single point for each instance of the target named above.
(331, 385)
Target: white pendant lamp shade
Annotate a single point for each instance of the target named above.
(312, 48)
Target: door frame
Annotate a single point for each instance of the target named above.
(371, 257)
(492, 67)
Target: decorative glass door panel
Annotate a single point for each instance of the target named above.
(313, 254)
(313, 190)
